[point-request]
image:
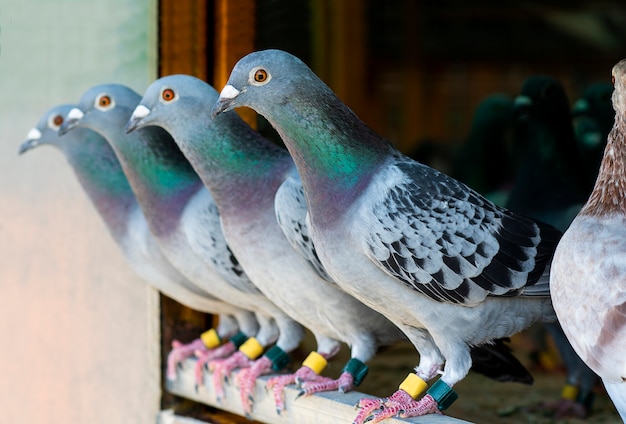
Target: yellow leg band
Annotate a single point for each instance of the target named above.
(251, 348)
(413, 385)
(569, 392)
(316, 362)
(210, 339)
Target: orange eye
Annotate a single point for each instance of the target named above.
(104, 101)
(168, 94)
(57, 120)
(260, 75)
(613, 79)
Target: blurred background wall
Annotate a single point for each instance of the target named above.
(78, 331)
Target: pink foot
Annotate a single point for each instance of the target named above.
(563, 408)
(344, 384)
(179, 353)
(570, 409)
(221, 368)
(247, 380)
(205, 356)
(399, 404)
(369, 405)
(277, 384)
(415, 408)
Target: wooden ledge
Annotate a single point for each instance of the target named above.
(322, 408)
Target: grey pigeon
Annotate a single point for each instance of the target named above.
(446, 265)
(243, 172)
(180, 213)
(101, 176)
(588, 278)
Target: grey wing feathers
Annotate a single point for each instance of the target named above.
(211, 245)
(448, 242)
(291, 214)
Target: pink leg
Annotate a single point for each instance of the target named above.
(179, 353)
(247, 380)
(277, 384)
(205, 356)
(221, 368)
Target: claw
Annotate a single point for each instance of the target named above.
(178, 354)
(221, 368)
(277, 385)
(382, 415)
(367, 406)
(247, 379)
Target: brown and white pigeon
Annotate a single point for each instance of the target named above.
(588, 277)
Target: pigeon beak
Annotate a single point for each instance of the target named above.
(226, 100)
(136, 119)
(32, 140)
(73, 117)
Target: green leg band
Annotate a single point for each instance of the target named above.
(358, 370)
(238, 339)
(443, 394)
(280, 359)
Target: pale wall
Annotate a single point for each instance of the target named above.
(78, 331)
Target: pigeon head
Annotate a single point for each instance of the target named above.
(542, 97)
(102, 108)
(92, 159)
(543, 117)
(47, 129)
(593, 119)
(183, 94)
(181, 105)
(273, 74)
(618, 75)
(595, 101)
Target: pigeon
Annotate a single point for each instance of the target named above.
(244, 172)
(483, 162)
(447, 266)
(102, 178)
(588, 278)
(593, 116)
(550, 186)
(182, 216)
(548, 181)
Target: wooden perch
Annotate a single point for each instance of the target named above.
(323, 408)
